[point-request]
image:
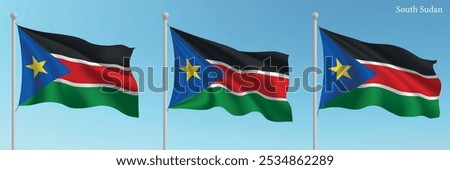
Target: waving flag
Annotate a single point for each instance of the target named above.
(73, 72)
(209, 74)
(360, 74)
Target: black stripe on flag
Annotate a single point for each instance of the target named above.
(77, 48)
(383, 53)
(266, 61)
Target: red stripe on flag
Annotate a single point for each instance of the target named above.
(271, 86)
(404, 81)
(82, 73)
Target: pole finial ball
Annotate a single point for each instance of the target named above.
(165, 15)
(315, 15)
(13, 15)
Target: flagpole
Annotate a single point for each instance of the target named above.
(315, 16)
(13, 80)
(165, 16)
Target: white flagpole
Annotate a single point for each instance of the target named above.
(13, 81)
(315, 16)
(165, 16)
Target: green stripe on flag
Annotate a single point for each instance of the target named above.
(407, 106)
(277, 111)
(82, 97)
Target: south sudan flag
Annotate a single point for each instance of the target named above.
(73, 72)
(360, 74)
(209, 74)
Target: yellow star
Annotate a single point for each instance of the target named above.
(341, 70)
(37, 67)
(190, 70)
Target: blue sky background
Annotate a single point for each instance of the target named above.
(248, 25)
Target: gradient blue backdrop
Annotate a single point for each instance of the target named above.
(284, 26)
